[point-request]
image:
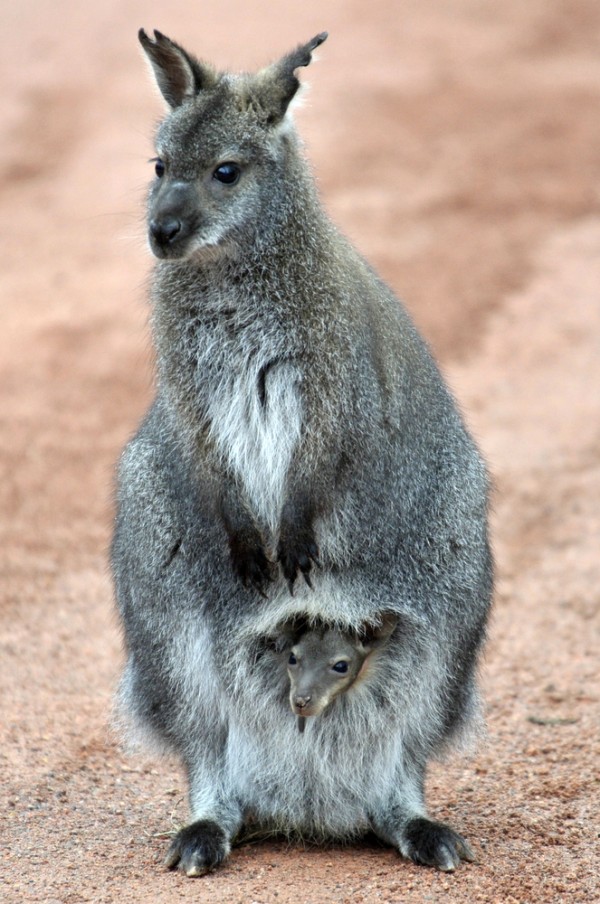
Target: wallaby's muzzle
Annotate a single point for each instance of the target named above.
(172, 219)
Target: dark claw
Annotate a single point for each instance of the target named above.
(198, 848)
(298, 557)
(251, 564)
(313, 552)
(255, 585)
(436, 844)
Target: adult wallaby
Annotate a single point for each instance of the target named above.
(300, 428)
(324, 662)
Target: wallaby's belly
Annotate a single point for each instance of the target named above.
(316, 784)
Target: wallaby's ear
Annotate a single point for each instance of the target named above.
(277, 84)
(179, 75)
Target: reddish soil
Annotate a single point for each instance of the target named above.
(457, 143)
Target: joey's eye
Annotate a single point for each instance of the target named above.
(341, 667)
(292, 660)
(159, 167)
(227, 173)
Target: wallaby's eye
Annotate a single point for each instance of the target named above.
(292, 660)
(227, 173)
(341, 667)
(159, 167)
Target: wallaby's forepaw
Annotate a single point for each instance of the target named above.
(298, 556)
(435, 844)
(250, 562)
(198, 848)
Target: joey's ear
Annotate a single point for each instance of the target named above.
(179, 75)
(277, 84)
(283, 642)
(375, 635)
(289, 634)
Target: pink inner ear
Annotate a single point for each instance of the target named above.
(364, 668)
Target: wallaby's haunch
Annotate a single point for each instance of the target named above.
(300, 429)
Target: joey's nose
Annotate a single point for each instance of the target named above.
(301, 702)
(164, 231)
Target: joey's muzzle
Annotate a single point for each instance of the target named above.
(306, 705)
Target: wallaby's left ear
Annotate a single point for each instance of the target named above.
(179, 75)
(277, 84)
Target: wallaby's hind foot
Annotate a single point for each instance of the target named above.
(198, 848)
(431, 843)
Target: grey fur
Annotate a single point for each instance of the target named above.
(299, 421)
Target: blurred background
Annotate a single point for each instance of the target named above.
(457, 143)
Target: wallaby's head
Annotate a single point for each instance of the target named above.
(221, 150)
(326, 661)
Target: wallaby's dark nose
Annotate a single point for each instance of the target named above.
(301, 702)
(164, 231)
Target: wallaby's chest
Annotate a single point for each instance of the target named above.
(245, 392)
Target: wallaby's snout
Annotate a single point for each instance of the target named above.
(300, 702)
(165, 230)
(172, 218)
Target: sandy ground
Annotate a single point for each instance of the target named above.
(457, 143)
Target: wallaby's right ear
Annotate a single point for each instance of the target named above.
(277, 84)
(179, 75)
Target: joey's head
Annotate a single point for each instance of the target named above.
(221, 150)
(325, 662)
(321, 665)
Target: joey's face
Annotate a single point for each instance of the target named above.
(214, 161)
(320, 667)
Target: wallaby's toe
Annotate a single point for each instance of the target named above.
(431, 843)
(198, 848)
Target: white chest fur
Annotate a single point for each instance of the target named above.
(255, 415)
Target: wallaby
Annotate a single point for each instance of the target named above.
(300, 429)
(324, 662)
